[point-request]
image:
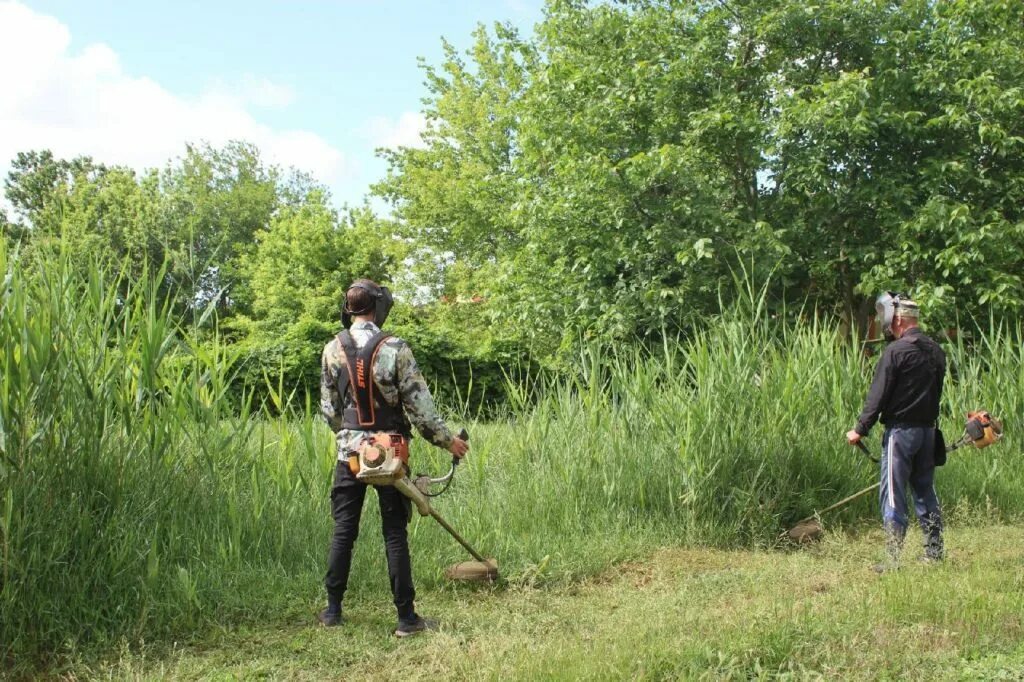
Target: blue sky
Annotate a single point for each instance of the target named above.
(315, 84)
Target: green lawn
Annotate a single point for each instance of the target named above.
(679, 613)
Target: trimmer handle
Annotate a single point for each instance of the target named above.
(867, 453)
(463, 434)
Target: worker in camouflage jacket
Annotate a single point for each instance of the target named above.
(401, 400)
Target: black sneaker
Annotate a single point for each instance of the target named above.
(412, 627)
(329, 617)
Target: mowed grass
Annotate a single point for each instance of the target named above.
(677, 613)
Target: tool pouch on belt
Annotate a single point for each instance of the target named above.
(939, 452)
(380, 458)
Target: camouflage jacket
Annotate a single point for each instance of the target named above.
(397, 378)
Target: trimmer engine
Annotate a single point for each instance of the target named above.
(380, 459)
(983, 428)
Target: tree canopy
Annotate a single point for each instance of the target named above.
(609, 174)
(606, 177)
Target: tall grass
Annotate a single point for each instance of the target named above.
(137, 503)
(133, 502)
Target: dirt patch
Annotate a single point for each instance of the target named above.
(639, 574)
(822, 587)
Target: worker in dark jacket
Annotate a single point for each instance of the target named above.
(905, 393)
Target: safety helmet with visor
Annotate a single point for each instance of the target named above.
(891, 305)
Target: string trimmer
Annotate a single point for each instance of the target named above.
(981, 430)
(379, 464)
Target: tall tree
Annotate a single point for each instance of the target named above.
(214, 203)
(99, 214)
(641, 138)
(958, 248)
(652, 145)
(455, 196)
(37, 181)
(307, 256)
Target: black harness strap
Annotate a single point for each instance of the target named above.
(369, 413)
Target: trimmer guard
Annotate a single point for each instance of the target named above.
(473, 571)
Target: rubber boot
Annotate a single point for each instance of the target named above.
(931, 529)
(894, 535)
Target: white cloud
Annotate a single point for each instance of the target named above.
(405, 132)
(254, 90)
(85, 103)
(266, 93)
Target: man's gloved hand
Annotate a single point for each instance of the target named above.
(459, 447)
(852, 437)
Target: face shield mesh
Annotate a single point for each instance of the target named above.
(885, 310)
(891, 306)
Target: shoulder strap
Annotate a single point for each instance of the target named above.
(359, 363)
(344, 378)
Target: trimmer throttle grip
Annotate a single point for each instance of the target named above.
(463, 434)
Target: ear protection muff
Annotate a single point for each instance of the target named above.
(381, 307)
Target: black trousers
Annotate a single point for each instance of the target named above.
(347, 497)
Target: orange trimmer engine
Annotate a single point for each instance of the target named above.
(380, 459)
(982, 429)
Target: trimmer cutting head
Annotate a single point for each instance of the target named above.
(473, 571)
(806, 531)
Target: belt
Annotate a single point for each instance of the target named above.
(910, 425)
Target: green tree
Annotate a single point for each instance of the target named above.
(649, 147)
(214, 203)
(895, 152)
(642, 138)
(958, 248)
(625, 168)
(102, 215)
(455, 197)
(197, 218)
(296, 275)
(304, 260)
(37, 181)
(114, 218)
(840, 156)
